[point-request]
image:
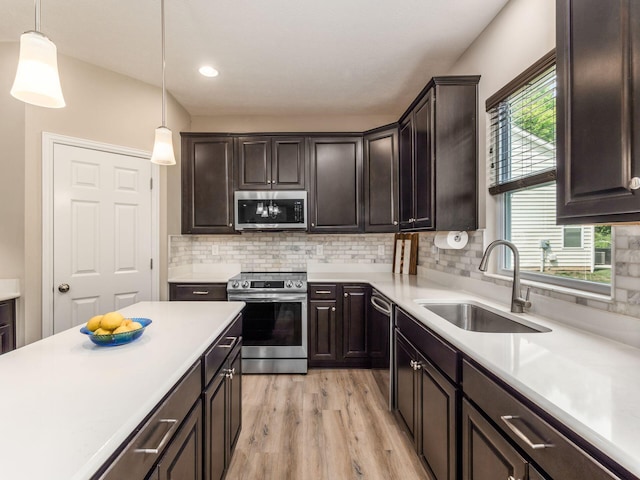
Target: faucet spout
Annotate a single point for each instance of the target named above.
(518, 304)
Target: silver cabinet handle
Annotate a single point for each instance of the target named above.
(346, 295)
(333, 309)
(313, 224)
(200, 292)
(323, 292)
(395, 222)
(536, 446)
(634, 183)
(415, 365)
(164, 438)
(230, 372)
(231, 224)
(233, 341)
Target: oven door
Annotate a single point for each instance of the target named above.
(273, 325)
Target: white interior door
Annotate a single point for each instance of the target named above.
(102, 233)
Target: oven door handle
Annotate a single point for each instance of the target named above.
(275, 298)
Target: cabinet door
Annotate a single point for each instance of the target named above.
(235, 400)
(439, 419)
(423, 164)
(288, 163)
(207, 184)
(405, 386)
(322, 332)
(381, 181)
(253, 163)
(598, 148)
(355, 305)
(336, 184)
(486, 455)
(215, 429)
(406, 173)
(183, 458)
(7, 326)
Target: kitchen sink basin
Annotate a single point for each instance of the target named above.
(478, 319)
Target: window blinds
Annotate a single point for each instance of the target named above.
(522, 131)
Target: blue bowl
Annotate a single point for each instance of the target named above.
(115, 339)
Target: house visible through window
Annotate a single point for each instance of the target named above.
(522, 173)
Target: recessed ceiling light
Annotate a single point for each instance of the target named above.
(208, 71)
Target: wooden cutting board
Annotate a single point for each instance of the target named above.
(405, 253)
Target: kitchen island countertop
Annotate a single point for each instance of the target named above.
(68, 404)
(587, 382)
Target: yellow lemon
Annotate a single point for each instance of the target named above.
(111, 320)
(126, 322)
(94, 323)
(121, 329)
(135, 326)
(102, 331)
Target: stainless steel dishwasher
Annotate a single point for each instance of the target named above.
(381, 361)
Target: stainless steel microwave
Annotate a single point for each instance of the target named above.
(270, 210)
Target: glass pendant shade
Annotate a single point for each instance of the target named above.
(37, 81)
(163, 148)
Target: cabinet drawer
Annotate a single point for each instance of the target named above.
(559, 458)
(218, 353)
(443, 356)
(198, 291)
(157, 431)
(323, 291)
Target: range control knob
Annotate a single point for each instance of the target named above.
(288, 284)
(235, 284)
(299, 284)
(245, 284)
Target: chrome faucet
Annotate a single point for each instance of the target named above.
(518, 304)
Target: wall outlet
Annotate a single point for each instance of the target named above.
(319, 250)
(215, 250)
(381, 250)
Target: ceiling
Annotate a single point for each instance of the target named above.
(277, 57)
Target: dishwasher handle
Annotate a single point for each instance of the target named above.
(381, 305)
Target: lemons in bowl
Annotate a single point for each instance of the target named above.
(113, 328)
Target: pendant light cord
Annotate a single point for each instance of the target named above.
(164, 95)
(37, 10)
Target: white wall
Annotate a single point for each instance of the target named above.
(102, 106)
(522, 33)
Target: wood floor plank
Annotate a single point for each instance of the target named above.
(326, 425)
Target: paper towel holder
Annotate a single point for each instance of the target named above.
(454, 239)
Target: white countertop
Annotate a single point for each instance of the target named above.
(587, 382)
(9, 288)
(68, 404)
(205, 273)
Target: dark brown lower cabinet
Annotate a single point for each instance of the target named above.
(7, 326)
(486, 455)
(322, 332)
(223, 416)
(198, 292)
(183, 458)
(338, 325)
(427, 402)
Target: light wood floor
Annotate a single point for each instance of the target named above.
(328, 424)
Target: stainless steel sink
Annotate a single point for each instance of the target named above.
(478, 319)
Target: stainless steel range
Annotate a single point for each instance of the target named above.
(274, 331)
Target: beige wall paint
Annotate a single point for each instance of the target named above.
(102, 106)
(12, 180)
(522, 33)
(265, 123)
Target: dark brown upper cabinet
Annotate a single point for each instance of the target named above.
(265, 163)
(335, 184)
(381, 180)
(207, 184)
(598, 105)
(439, 155)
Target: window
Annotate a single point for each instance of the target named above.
(522, 173)
(572, 237)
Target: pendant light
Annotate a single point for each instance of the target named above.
(163, 145)
(37, 81)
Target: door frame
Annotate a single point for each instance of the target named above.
(49, 140)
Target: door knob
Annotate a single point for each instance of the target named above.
(63, 287)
